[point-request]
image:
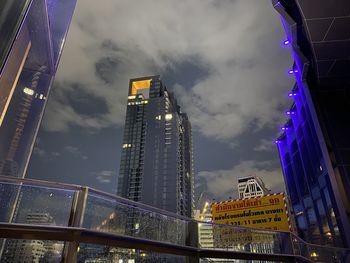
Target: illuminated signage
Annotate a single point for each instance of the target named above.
(268, 212)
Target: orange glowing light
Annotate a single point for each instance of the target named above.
(140, 84)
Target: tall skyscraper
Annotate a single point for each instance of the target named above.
(156, 161)
(251, 186)
(314, 143)
(32, 34)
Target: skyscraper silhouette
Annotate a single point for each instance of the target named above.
(156, 164)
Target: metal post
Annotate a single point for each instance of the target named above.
(75, 220)
(192, 239)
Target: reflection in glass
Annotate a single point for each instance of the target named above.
(26, 78)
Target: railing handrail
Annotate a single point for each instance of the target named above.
(148, 208)
(82, 235)
(139, 205)
(36, 182)
(65, 186)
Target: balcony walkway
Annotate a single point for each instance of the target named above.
(83, 222)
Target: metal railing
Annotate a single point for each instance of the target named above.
(81, 223)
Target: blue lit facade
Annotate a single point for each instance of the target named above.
(309, 147)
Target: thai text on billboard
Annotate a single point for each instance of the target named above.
(268, 212)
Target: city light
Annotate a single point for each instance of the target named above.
(28, 91)
(290, 71)
(286, 42)
(290, 112)
(292, 94)
(168, 116)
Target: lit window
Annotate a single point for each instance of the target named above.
(168, 116)
(159, 117)
(28, 91)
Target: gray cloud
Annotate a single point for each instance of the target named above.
(75, 151)
(223, 183)
(72, 149)
(238, 42)
(104, 177)
(39, 151)
(231, 49)
(265, 145)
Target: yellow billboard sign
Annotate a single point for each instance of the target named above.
(268, 212)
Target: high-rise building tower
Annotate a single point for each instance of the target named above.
(314, 145)
(156, 161)
(251, 186)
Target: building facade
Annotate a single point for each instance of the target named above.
(251, 186)
(36, 251)
(32, 34)
(205, 229)
(156, 161)
(314, 143)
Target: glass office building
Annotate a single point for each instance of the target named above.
(314, 145)
(156, 163)
(32, 34)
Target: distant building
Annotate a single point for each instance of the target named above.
(314, 141)
(156, 161)
(19, 250)
(251, 186)
(35, 251)
(205, 231)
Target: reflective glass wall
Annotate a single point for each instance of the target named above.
(32, 37)
(12, 13)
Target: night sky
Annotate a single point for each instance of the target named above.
(223, 59)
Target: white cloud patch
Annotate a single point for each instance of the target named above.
(104, 177)
(265, 146)
(238, 42)
(223, 183)
(74, 151)
(39, 151)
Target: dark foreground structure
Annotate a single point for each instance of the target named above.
(314, 145)
(32, 36)
(70, 223)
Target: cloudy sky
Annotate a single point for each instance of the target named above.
(223, 59)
